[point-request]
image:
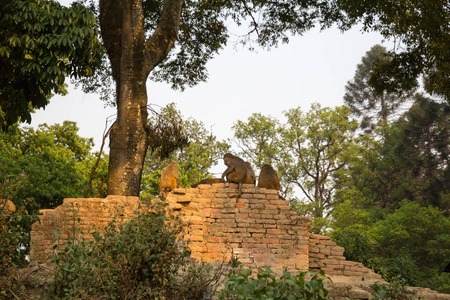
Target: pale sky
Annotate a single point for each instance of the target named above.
(312, 68)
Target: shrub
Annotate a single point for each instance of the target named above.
(267, 285)
(390, 291)
(140, 259)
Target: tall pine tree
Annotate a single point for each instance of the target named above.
(365, 104)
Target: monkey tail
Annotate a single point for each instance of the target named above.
(240, 192)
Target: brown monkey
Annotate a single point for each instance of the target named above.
(268, 178)
(170, 179)
(208, 181)
(251, 177)
(238, 171)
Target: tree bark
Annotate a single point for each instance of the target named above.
(132, 59)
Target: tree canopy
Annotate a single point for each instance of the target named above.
(42, 43)
(368, 106)
(421, 33)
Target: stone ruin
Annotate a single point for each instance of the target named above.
(259, 229)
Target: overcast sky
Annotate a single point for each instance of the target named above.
(311, 68)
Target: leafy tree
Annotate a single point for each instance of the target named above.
(174, 39)
(410, 161)
(319, 144)
(424, 146)
(419, 29)
(41, 43)
(258, 139)
(421, 231)
(53, 160)
(261, 143)
(201, 152)
(371, 107)
(309, 152)
(38, 169)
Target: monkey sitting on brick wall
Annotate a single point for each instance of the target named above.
(238, 171)
(170, 179)
(268, 178)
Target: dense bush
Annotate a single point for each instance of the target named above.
(411, 242)
(267, 285)
(140, 259)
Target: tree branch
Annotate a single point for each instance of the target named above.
(163, 39)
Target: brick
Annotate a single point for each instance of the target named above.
(240, 216)
(275, 231)
(270, 241)
(279, 202)
(211, 210)
(255, 216)
(261, 250)
(213, 239)
(265, 221)
(258, 235)
(242, 250)
(268, 214)
(234, 240)
(271, 207)
(271, 226)
(256, 230)
(213, 255)
(262, 259)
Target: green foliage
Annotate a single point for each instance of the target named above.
(304, 285)
(42, 42)
(143, 258)
(364, 103)
(259, 138)
(53, 161)
(14, 237)
(422, 231)
(391, 291)
(419, 26)
(194, 160)
(423, 147)
(15, 226)
(309, 151)
(38, 169)
(411, 242)
(203, 32)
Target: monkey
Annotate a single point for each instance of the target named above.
(238, 171)
(268, 178)
(7, 206)
(170, 179)
(251, 177)
(208, 181)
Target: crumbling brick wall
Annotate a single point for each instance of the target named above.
(80, 214)
(259, 229)
(325, 255)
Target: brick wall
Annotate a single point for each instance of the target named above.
(90, 211)
(259, 229)
(325, 255)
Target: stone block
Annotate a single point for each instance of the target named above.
(359, 294)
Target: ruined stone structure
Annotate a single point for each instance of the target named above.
(260, 229)
(80, 214)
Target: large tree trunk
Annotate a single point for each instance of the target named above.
(132, 58)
